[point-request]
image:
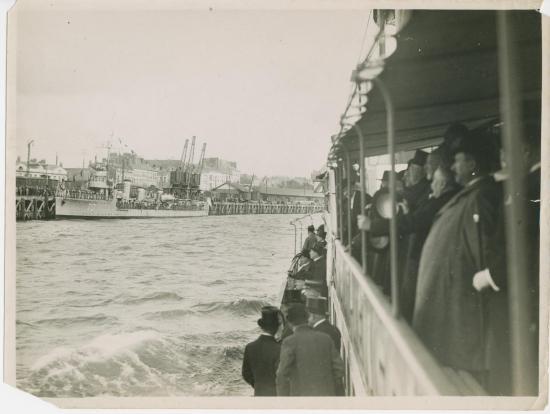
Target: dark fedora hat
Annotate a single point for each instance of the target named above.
(297, 314)
(479, 148)
(270, 318)
(419, 158)
(311, 228)
(317, 305)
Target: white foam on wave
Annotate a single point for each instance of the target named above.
(101, 347)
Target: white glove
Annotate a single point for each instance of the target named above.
(483, 280)
(363, 222)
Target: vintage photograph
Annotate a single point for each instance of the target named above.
(214, 201)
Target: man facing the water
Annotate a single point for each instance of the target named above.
(309, 364)
(316, 276)
(310, 241)
(261, 357)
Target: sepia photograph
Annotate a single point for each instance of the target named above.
(278, 200)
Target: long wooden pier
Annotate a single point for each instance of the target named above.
(226, 208)
(40, 207)
(34, 207)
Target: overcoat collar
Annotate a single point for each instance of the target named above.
(464, 192)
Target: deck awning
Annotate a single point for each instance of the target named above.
(445, 70)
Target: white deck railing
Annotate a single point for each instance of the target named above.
(383, 355)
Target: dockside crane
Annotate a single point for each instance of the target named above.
(183, 155)
(189, 166)
(251, 183)
(200, 164)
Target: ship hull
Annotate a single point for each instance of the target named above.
(107, 209)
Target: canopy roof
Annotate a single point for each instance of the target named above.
(445, 70)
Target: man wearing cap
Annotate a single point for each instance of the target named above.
(311, 239)
(261, 357)
(449, 314)
(309, 364)
(317, 309)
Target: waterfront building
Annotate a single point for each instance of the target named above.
(141, 173)
(40, 169)
(216, 172)
(230, 191)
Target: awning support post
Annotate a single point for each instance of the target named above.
(347, 161)
(390, 127)
(361, 139)
(522, 341)
(339, 206)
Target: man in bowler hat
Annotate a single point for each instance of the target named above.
(309, 364)
(261, 357)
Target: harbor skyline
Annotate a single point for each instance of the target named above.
(202, 73)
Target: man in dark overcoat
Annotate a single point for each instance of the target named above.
(261, 357)
(449, 314)
(317, 309)
(309, 364)
(493, 280)
(416, 223)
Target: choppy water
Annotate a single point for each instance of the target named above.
(144, 307)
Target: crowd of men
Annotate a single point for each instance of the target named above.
(452, 271)
(452, 249)
(298, 351)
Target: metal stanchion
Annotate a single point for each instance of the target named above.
(522, 341)
(363, 198)
(339, 202)
(348, 188)
(393, 219)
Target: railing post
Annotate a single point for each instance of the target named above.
(363, 198)
(347, 162)
(390, 127)
(522, 342)
(339, 203)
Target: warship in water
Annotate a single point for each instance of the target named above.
(132, 198)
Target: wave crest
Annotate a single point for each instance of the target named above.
(153, 297)
(238, 307)
(99, 318)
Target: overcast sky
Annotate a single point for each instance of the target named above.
(262, 88)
